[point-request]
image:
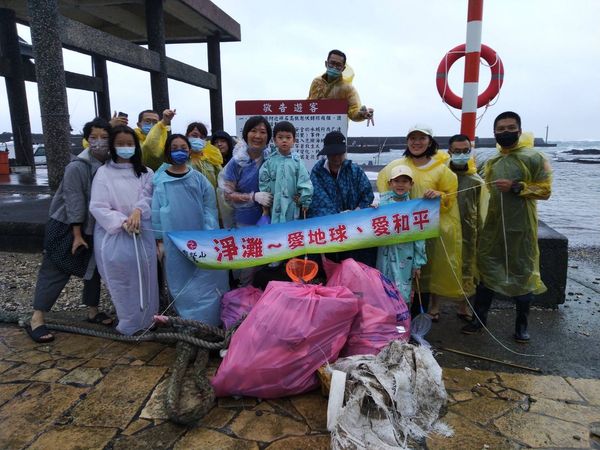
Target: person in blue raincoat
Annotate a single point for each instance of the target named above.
(401, 262)
(284, 175)
(184, 199)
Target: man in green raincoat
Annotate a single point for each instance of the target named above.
(508, 259)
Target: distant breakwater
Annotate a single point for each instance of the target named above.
(384, 144)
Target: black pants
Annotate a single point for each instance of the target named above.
(51, 281)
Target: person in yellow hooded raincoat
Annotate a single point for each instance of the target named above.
(152, 134)
(471, 198)
(508, 258)
(206, 158)
(432, 179)
(333, 85)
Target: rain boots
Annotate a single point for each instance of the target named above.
(483, 302)
(522, 303)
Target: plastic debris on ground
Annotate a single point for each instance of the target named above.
(392, 401)
(292, 331)
(383, 314)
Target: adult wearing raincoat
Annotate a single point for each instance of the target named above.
(152, 134)
(68, 237)
(433, 179)
(183, 199)
(205, 158)
(508, 259)
(340, 185)
(239, 179)
(332, 85)
(124, 244)
(471, 195)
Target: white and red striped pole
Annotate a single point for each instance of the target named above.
(471, 80)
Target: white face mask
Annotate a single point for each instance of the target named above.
(460, 159)
(125, 152)
(197, 144)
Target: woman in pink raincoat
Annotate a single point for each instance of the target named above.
(123, 240)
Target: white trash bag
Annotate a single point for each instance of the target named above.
(392, 399)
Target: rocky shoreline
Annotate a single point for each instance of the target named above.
(18, 275)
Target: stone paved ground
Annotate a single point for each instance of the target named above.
(89, 393)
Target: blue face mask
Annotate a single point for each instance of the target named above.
(332, 72)
(146, 127)
(401, 197)
(460, 159)
(197, 144)
(125, 152)
(179, 156)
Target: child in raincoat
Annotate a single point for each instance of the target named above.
(184, 199)
(401, 262)
(124, 244)
(284, 175)
(442, 275)
(471, 190)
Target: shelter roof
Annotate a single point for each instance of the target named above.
(186, 21)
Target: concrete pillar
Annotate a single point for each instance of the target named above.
(52, 90)
(15, 89)
(102, 98)
(216, 95)
(155, 30)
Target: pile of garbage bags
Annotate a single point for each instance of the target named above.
(293, 329)
(385, 393)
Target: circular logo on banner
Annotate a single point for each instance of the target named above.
(192, 245)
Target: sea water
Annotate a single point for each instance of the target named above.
(574, 207)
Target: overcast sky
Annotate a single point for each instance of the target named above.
(550, 50)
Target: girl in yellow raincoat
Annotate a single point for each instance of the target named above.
(433, 179)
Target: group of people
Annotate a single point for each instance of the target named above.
(129, 187)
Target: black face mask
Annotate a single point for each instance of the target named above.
(507, 139)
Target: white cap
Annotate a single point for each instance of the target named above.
(423, 128)
(400, 170)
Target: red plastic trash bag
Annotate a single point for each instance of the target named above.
(287, 336)
(383, 315)
(238, 302)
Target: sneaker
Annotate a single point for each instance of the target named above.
(471, 328)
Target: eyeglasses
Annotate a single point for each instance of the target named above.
(461, 151)
(335, 65)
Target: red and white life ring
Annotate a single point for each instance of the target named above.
(496, 67)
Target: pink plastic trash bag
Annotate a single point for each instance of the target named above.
(238, 302)
(383, 315)
(287, 336)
